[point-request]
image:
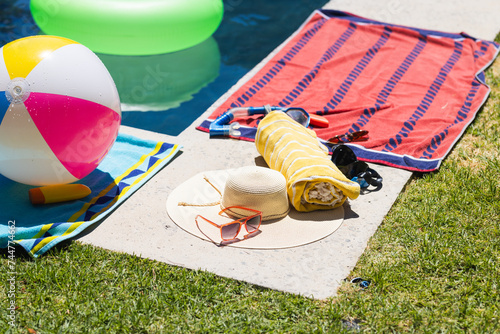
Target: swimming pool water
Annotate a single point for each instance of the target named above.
(166, 93)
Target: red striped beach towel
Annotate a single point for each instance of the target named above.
(414, 90)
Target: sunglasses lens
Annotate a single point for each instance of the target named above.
(253, 224)
(230, 231)
(343, 155)
(299, 115)
(344, 158)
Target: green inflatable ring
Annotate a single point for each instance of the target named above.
(130, 27)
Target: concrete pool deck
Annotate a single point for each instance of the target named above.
(142, 226)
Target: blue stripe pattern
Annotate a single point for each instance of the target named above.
(358, 69)
(127, 181)
(482, 51)
(462, 115)
(346, 16)
(266, 78)
(308, 78)
(426, 102)
(389, 86)
(395, 160)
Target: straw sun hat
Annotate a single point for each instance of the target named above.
(257, 188)
(253, 187)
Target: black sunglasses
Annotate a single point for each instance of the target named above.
(346, 161)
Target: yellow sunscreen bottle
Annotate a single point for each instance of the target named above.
(58, 193)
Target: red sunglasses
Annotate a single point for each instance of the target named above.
(361, 135)
(229, 231)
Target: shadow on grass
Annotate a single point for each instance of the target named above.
(21, 254)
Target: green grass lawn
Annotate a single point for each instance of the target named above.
(434, 265)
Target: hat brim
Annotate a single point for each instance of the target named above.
(296, 229)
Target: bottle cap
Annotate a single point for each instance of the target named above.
(36, 196)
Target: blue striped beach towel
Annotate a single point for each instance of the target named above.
(414, 90)
(130, 163)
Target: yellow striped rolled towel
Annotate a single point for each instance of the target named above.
(313, 180)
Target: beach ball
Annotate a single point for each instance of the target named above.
(59, 110)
